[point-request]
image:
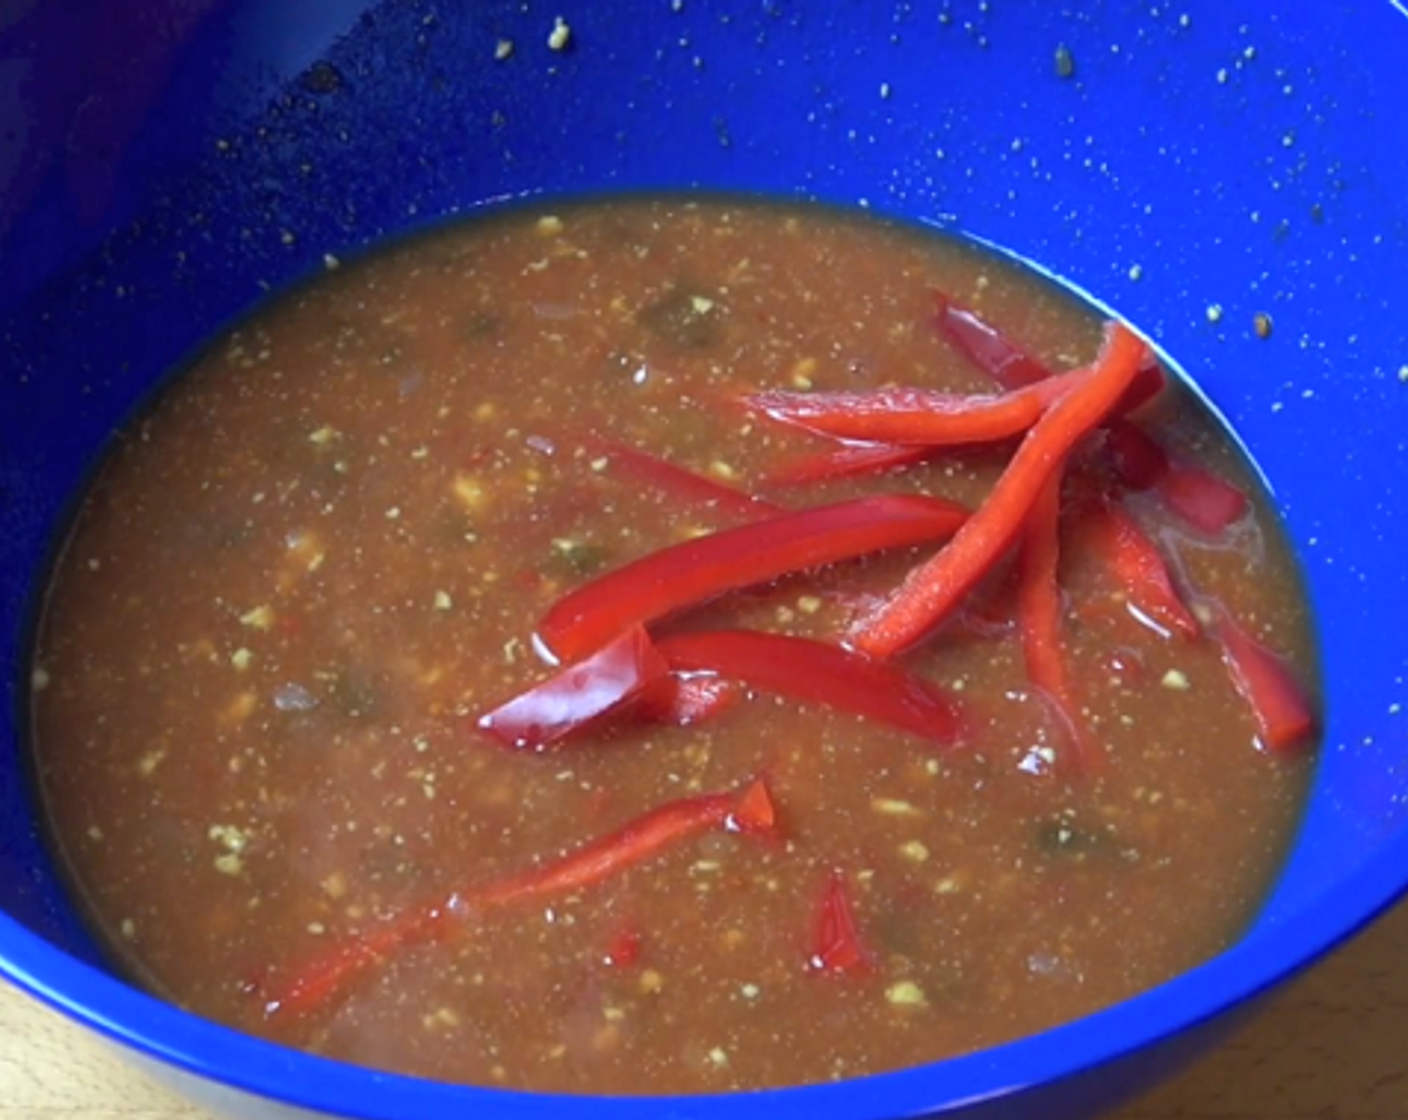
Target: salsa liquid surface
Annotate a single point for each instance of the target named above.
(307, 568)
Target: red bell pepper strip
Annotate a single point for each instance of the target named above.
(672, 480)
(1039, 609)
(846, 461)
(326, 976)
(1284, 720)
(905, 415)
(1125, 551)
(684, 699)
(987, 347)
(694, 571)
(927, 417)
(837, 949)
(751, 811)
(932, 590)
(1198, 496)
(577, 694)
(1011, 366)
(819, 673)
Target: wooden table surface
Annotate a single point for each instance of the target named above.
(1333, 1046)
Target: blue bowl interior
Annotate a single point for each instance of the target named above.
(1224, 153)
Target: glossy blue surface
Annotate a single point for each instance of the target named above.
(160, 170)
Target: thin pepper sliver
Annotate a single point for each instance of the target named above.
(986, 346)
(328, 975)
(1013, 367)
(749, 811)
(1284, 719)
(909, 416)
(905, 415)
(1117, 543)
(846, 461)
(1039, 611)
(321, 980)
(670, 479)
(935, 588)
(703, 568)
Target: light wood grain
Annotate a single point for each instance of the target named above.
(52, 1070)
(1334, 1046)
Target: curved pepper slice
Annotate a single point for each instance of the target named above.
(932, 590)
(926, 417)
(331, 973)
(697, 570)
(577, 694)
(818, 673)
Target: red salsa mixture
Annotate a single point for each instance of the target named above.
(670, 646)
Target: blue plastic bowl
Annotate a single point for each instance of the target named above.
(161, 168)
